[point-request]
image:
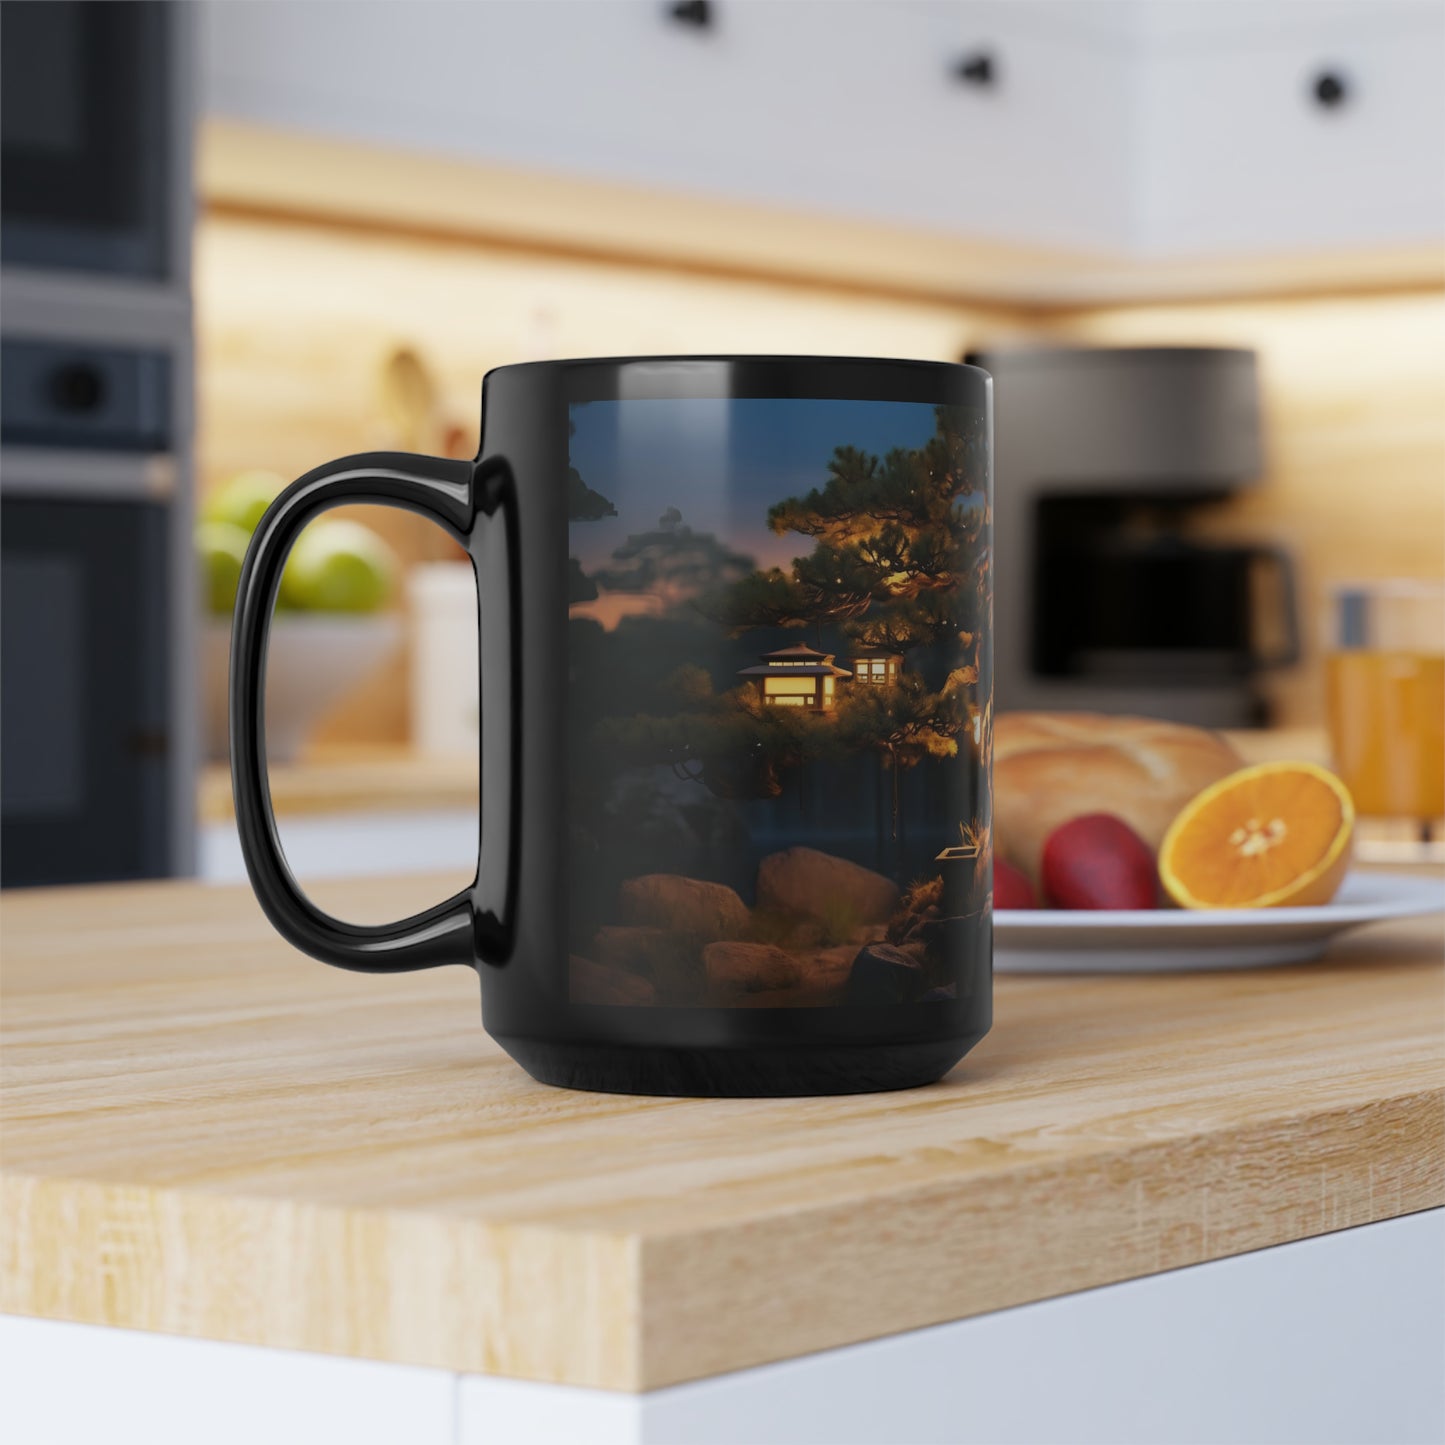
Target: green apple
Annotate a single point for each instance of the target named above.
(222, 548)
(337, 566)
(243, 500)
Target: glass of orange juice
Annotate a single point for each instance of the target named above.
(1385, 694)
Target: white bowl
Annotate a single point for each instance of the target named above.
(313, 660)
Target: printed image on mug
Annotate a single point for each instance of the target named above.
(779, 693)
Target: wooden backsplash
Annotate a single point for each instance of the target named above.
(299, 325)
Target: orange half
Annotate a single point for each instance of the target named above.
(1270, 836)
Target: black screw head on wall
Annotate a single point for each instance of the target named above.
(977, 69)
(696, 13)
(1330, 89)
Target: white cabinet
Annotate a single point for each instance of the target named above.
(850, 108)
(1236, 153)
(1157, 128)
(1332, 1339)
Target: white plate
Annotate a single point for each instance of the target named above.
(1179, 940)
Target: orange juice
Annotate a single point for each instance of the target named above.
(1387, 730)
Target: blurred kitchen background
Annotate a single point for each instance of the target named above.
(1201, 245)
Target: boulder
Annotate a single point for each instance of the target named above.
(591, 982)
(672, 961)
(944, 993)
(952, 943)
(885, 974)
(825, 973)
(818, 885)
(706, 912)
(734, 968)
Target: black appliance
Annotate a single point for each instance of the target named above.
(85, 607)
(1123, 597)
(85, 148)
(1109, 593)
(97, 732)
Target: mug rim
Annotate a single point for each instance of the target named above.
(743, 357)
(772, 376)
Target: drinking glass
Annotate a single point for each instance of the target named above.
(1385, 695)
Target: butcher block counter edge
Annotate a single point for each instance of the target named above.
(1091, 1139)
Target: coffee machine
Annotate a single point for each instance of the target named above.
(1105, 597)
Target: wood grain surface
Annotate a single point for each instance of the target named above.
(355, 779)
(208, 1135)
(245, 168)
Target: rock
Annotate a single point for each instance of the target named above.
(818, 885)
(884, 974)
(671, 960)
(706, 912)
(825, 973)
(604, 983)
(953, 944)
(734, 968)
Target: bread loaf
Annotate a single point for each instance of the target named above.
(1053, 766)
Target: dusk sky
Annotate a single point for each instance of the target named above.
(722, 463)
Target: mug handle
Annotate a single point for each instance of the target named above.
(443, 490)
(1288, 653)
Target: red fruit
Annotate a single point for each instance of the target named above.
(1098, 861)
(1011, 887)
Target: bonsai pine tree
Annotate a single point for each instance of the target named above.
(773, 598)
(673, 563)
(905, 723)
(895, 567)
(892, 540)
(583, 505)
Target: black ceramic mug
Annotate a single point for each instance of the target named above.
(736, 721)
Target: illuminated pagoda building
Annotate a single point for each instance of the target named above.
(877, 667)
(796, 677)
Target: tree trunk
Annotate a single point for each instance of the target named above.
(878, 843)
(897, 808)
(902, 828)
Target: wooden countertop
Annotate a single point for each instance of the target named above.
(207, 1134)
(351, 780)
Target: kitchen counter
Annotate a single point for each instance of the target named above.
(207, 1135)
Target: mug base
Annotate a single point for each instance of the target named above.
(755, 1073)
